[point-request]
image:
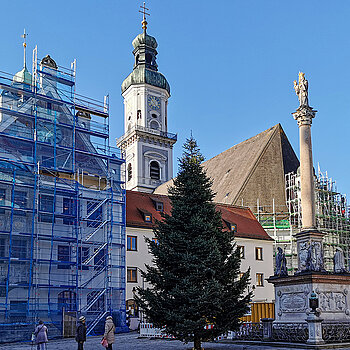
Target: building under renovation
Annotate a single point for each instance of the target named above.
(263, 173)
(62, 205)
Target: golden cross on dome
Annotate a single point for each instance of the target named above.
(24, 36)
(143, 11)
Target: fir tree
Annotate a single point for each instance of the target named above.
(195, 280)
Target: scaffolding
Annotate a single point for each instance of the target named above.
(277, 222)
(62, 205)
(332, 218)
(283, 222)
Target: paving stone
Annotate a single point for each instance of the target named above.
(130, 341)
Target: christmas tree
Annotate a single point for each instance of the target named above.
(195, 278)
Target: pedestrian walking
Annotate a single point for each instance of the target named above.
(81, 333)
(109, 332)
(41, 336)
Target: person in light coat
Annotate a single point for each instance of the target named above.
(109, 332)
(41, 336)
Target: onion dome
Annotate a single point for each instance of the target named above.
(23, 77)
(145, 39)
(145, 67)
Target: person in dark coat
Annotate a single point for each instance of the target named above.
(41, 336)
(81, 333)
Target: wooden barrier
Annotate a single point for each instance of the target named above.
(258, 311)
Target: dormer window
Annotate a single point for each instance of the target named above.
(147, 216)
(159, 205)
(231, 226)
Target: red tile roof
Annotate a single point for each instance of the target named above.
(139, 203)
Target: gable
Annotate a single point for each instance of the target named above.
(265, 183)
(251, 170)
(230, 170)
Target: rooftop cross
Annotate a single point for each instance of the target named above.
(24, 36)
(143, 11)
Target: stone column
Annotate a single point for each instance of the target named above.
(304, 115)
(309, 240)
(315, 329)
(267, 324)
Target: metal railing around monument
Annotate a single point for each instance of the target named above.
(281, 332)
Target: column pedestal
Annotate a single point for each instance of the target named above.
(315, 329)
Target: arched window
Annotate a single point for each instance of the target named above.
(67, 300)
(154, 125)
(155, 170)
(132, 307)
(129, 172)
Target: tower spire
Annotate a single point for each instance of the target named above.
(24, 36)
(143, 11)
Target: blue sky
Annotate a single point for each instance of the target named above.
(230, 64)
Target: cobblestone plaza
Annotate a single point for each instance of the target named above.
(129, 341)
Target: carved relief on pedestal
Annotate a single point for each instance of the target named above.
(303, 253)
(310, 256)
(333, 301)
(293, 302)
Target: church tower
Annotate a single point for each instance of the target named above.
(147, 145)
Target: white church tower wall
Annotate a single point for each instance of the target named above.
(146, 143)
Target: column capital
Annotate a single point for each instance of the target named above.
(304, 115)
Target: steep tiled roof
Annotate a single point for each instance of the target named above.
(247, 224)
(230, 169)
(139, 203)
(253, 169)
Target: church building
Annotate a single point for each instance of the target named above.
(148, 146)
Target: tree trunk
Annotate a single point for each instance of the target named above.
(197, 343)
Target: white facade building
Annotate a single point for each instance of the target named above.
(142, 209)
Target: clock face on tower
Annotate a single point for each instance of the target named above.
(153, 103)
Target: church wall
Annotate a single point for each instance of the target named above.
(267, 180)
(143, 142)
(131, 158)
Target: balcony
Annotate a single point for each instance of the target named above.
(164, 134)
